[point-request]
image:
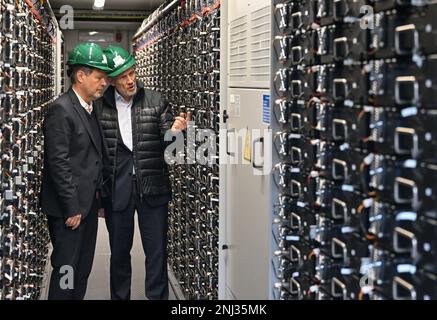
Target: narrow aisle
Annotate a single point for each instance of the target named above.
(98, 285)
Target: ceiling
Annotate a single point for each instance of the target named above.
(124, 5)
(104, 26)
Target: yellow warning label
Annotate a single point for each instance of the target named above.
(248, 145)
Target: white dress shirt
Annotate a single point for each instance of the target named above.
(124, 111)
(86, 106)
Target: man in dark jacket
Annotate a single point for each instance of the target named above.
(72, 173)
(134, 121)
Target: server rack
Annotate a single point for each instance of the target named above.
(354, 104)
(27, 85)
(178, 53)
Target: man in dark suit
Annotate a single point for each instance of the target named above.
(134, 121)
(72, 173)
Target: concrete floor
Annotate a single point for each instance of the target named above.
(98, 283)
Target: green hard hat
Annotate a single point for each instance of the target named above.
(119, 60)
(89, 54)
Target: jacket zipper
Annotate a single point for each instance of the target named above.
(134, 112)
(114, 170)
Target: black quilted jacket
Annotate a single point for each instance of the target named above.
(151, 118)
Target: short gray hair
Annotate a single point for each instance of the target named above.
(74, 69)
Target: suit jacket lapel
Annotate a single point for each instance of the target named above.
(77, 106)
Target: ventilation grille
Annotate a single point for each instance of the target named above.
(260, 45)
(238, 57)
(249, 55)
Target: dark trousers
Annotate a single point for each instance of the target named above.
(72, 256)
(153, 226)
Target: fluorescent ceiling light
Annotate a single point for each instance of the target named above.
(92, 33)
(98, 4)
